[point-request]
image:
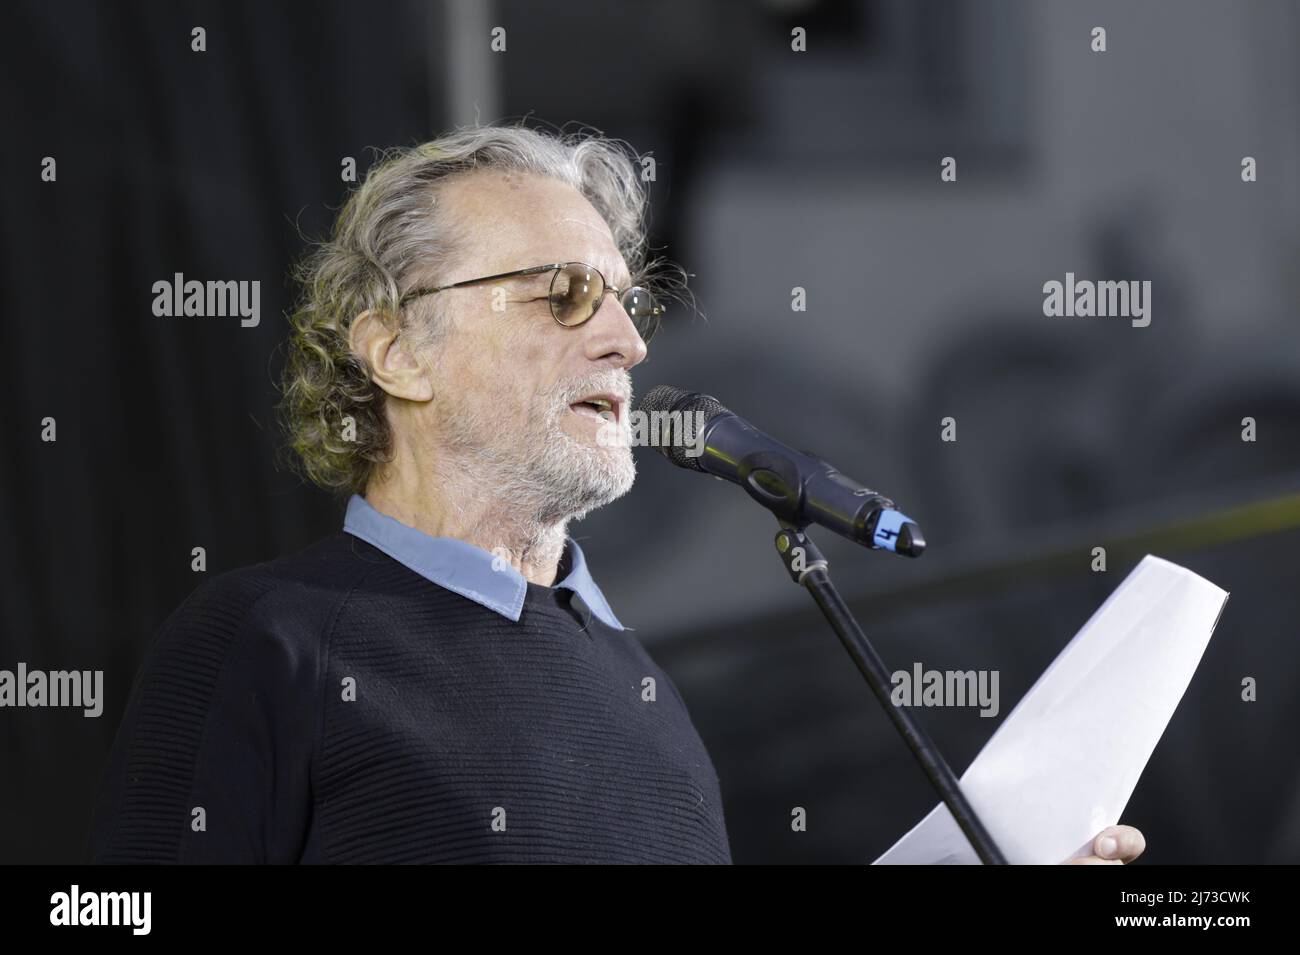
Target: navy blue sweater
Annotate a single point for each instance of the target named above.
(335, 706)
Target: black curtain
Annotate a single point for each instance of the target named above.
(213, 164)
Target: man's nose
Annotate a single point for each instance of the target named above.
(612, 337)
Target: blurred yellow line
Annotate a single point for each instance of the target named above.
(1236, 523)
(1231, 524)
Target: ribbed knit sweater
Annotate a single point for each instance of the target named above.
(335, 706)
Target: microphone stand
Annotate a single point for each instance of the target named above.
(808, 568)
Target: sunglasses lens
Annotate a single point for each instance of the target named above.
(576, 292)
(642, 308)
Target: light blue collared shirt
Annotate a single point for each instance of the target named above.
(465, 569)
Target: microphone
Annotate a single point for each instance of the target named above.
(799, 488)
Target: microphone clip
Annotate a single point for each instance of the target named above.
(799, 554)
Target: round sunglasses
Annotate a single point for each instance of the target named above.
(577, 289)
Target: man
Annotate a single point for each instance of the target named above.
(442, 680)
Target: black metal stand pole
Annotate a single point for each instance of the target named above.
(808, 568)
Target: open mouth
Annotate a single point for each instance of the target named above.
(599, 407)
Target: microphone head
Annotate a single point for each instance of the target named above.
(682, 413)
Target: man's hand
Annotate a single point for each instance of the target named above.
(1114, 846)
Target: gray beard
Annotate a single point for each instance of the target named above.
(561, 479)
(537, 474)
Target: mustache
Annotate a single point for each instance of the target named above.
(614, 381)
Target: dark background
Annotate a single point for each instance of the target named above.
(775, 170)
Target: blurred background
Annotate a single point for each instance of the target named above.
(774, 170)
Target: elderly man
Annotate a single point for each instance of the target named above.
(441, 680)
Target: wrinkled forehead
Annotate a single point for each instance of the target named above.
(517, 220)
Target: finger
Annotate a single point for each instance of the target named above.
(1119, 843)
(1093, 860)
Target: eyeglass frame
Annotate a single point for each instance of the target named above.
(540, 270)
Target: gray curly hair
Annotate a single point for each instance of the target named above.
(388, 238)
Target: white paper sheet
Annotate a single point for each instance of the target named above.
(1064, 763)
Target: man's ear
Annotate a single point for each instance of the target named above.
(387, 354)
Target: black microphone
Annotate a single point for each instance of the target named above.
(695, 431)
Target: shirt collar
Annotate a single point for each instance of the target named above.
(465, 569)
